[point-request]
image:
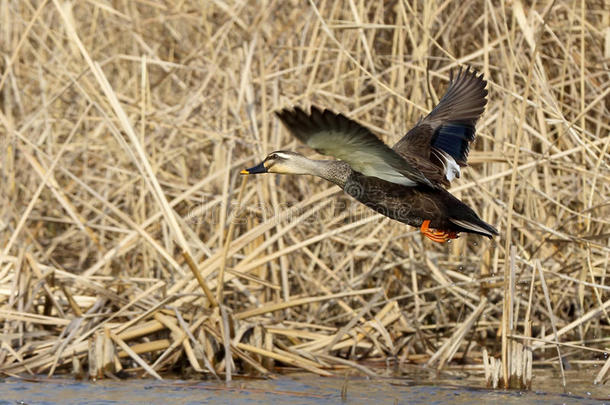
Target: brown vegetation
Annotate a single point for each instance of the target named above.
(123, 127)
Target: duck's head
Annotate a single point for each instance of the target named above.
(283, 162)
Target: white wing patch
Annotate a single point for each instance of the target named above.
(450, 166)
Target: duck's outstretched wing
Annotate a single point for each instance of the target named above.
(443, 137)
(336, 135)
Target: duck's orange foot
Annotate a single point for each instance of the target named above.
(437, 235)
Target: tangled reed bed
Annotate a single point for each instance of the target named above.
(129, 241)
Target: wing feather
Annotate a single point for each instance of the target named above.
(336, 135)
(452, 121)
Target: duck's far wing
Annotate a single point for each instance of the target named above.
(336, 135)
(452, 121)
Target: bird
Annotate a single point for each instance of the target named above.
(406, 182)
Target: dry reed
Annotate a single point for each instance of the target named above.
(127, 244)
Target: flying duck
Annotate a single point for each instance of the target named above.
(406, 182)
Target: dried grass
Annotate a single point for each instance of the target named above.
(126, 242)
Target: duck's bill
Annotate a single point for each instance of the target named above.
(255, 170)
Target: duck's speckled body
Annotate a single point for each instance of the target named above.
(410, 205)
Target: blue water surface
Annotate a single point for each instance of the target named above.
(293, 390)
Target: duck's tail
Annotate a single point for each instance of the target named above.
(475, 225)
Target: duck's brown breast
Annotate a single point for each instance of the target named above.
(410, 205)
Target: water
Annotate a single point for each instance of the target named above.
(297, 389)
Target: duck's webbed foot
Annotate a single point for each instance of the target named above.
(435, 234)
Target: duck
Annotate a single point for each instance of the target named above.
(407, 182)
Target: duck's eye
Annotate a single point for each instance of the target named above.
(273, 156)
